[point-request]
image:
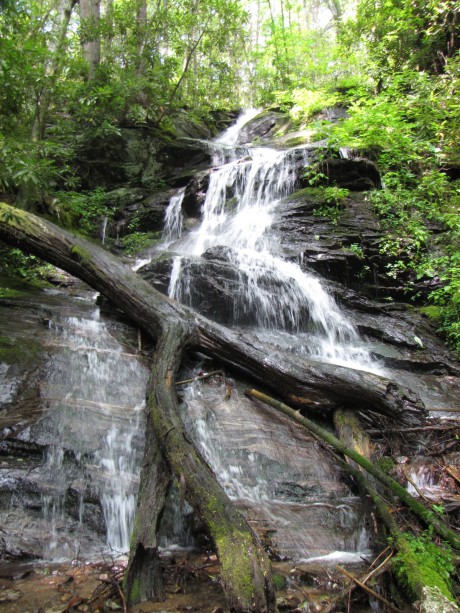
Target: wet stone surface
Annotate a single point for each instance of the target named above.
(62, 409)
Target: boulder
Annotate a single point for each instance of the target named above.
(263, 128)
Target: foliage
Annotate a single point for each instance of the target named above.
(307, 102)
(411, 129)
(14, 263)
(139, 241)
(82, 210)
(403, 34)
(329, 201)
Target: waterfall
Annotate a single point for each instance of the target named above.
(245, 187)
(275, 474)
(173, 218)
(105, 221)
(94, 398)
(260, 463)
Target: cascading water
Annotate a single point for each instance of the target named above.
(275, 474)
(174, 218)
(255, 460)
(94, 397)
(245, 187)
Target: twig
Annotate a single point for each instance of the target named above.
(120, 592)
(444, 409)
(453, 473)
(199, 377)
(368, 589)
(349, 588)
(380, 567)
(414, 429)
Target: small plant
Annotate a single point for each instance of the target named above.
(139, 241)
(331, 203)
(357, 250)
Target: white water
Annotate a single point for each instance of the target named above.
(246, 184)
(94, 396)
(174, 218)
(258, 461)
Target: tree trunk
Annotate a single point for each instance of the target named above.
(57, 55)
(176, 328)
(90, 13)
(143, 580)
(245, 567)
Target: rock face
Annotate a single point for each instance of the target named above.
(353, 174)
(149, 157)
(195, 194)
(277, 475)
(263, 127)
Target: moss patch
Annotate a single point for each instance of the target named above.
(421, 563)
(17, 287)
(80, 254)
(12, 352)
(385, 463)
(432, 312)
(279, 582)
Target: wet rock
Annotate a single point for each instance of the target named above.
(353, 174)
(263, 127)
(42, 476)
(222, 254)
(341, 249)
(150, 213)
(195, 195)
(213, 284)
(215, 287)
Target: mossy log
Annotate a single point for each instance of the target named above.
(176, 328)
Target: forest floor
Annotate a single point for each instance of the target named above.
(191, 582)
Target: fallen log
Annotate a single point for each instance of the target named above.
(303, 382)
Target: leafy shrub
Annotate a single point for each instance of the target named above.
(84, 210)
(139, 241)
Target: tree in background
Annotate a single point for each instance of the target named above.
(109, 62)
